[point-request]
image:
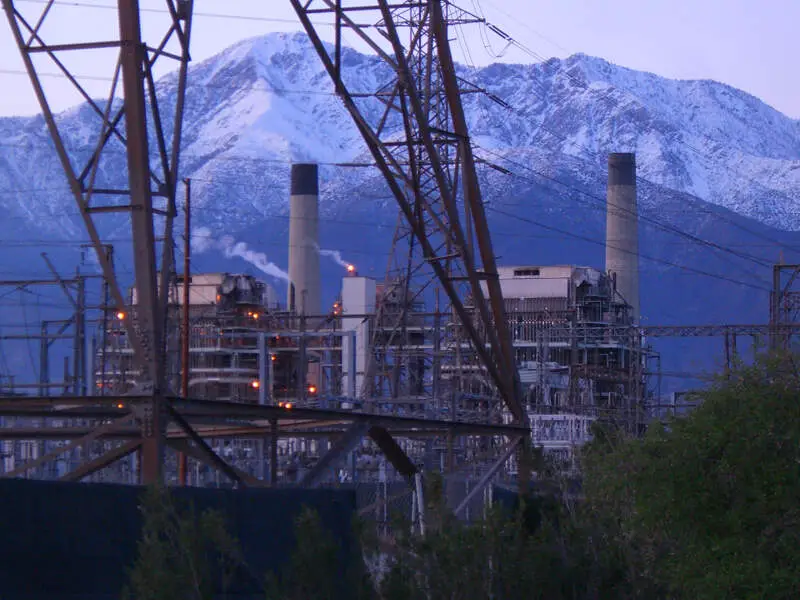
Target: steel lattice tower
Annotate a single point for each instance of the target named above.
(148, 199)
(419, 140)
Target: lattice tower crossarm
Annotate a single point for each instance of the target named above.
(415, 129)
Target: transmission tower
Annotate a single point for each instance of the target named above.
(416, 131)
(146, 131)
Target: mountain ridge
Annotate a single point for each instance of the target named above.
(715, 164)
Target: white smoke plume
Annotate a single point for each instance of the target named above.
(201, 241)
(335, 255)
(231, 248)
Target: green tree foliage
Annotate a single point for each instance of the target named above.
(316, 569)
(707, 506)
(703, 507)
(521, 555)
(181, 555)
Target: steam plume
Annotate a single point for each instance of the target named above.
(201, 241)
(335, 255)
(231, 248)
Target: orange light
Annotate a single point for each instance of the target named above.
(255, 316)
(219, 297)
(280, 404)
(255, 384)
(120, 405)
(288, 406)
(121, 315)
(312, 389)
(351, 268)
(273, 357)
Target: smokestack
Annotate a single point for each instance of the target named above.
(622, 228)
(304, 275)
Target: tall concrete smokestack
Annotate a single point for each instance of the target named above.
(622, 228)
(304, 275)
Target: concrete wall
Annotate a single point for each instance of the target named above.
(536, 281)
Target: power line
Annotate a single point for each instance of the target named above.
(670, 263)
(584, 86)
(640, 255)
(195, 13)
(499, 32)
(655, 222)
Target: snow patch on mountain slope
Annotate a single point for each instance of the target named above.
(267, 101)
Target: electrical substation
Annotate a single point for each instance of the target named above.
(451, 363)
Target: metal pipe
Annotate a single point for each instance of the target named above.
(44, 366)
(273, 453)
(264, 358)
(187, 249)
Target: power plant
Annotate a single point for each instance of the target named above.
(575, 367)
(451, 363)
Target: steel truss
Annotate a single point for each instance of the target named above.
(194, 420)
(784, 307)
(148, 199)
(416, 131)
(71, 329)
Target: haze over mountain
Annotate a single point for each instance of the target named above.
(714, 162)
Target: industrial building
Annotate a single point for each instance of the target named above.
(375, 350)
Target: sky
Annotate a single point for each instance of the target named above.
(749, 44)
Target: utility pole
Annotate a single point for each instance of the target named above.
(185, 367)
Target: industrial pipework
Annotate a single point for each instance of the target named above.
(304, 273)
(622, 229)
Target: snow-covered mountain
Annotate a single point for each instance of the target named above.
(267, 99)
(714, 161)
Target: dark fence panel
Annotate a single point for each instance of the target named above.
(76, 541)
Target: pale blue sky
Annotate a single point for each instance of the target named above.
(750, 44)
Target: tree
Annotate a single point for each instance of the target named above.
(180, 554)
(707, 506)
(314, 568)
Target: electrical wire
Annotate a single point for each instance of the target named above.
(639, 254)
(729, 260)
(23, 304)
(699, 152)
(195, 13)
(535, 55)
(654, 222)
